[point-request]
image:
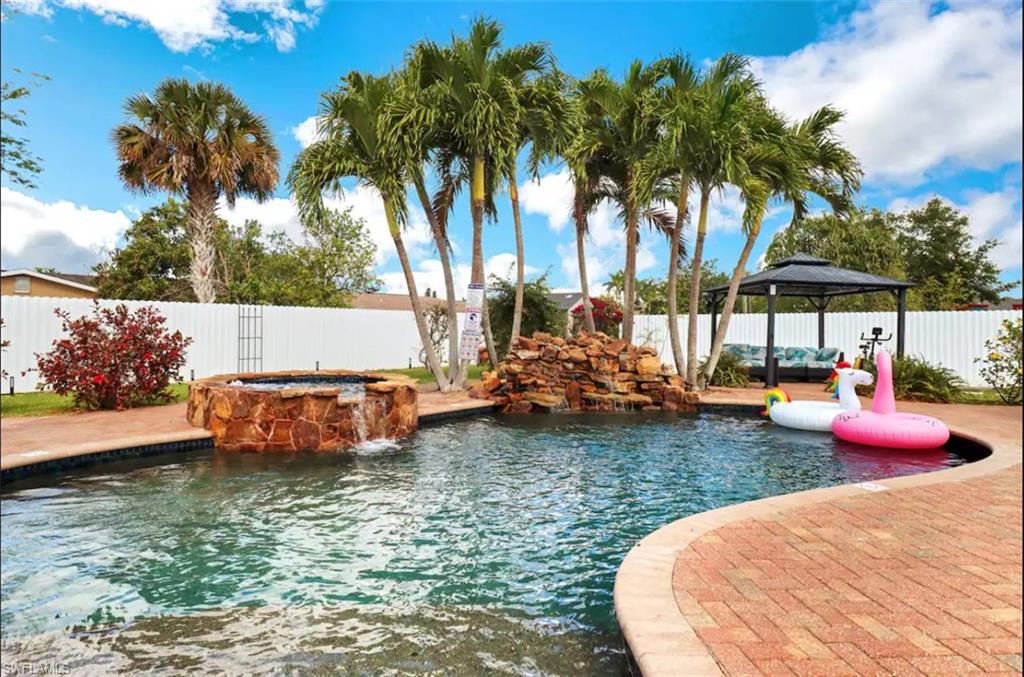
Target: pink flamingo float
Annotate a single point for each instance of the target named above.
(882, 426)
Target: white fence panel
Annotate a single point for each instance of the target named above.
(298, 338)
(953, 339)
(293, 338)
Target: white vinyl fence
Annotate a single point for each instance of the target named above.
(953, 339)
(299, 338)
(292, 338)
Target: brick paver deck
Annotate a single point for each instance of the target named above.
(920, 580)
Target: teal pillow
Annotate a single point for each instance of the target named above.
(779, 351)
(827, 355)
(737, 349)
(798, 354)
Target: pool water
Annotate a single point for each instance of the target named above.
(488, 544)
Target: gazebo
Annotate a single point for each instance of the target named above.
(818, 281)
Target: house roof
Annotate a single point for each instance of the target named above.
(396, 302)
(84, 282)
(806, 275)
(566, 300)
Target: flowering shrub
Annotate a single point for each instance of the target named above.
(607, 315)
(1002, 366)
(113, 358)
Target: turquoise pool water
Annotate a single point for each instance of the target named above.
(484, 544)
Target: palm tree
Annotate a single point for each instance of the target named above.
(717, 134)
(628, 129)
(587, 164)
(351, 122)
(422, 140)
(545, 125)
(203, 142)
(474, 87)
(786, 162)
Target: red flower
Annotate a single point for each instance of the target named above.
(99, 379)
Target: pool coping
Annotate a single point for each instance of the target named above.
(43, 461)
(657, 635)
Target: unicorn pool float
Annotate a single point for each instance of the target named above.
(882, 426)
(813, 415)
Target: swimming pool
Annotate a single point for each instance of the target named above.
(489, 543)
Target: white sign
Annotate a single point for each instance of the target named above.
(472, 334)
(475, 296)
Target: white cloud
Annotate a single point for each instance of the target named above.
(32, 229)
(281, 214)
(184, 25)
(305, 132)
(550, 196)
(923, 90)
(725, 211)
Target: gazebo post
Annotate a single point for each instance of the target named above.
(901, 321)
(770, 377)
(821, 304)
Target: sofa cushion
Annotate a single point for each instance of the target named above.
(821, 364)
(780, 352)
(753, 362)
(791, 363)
(800, 354)
(827, 355)
(738, 349)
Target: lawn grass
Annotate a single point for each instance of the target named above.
(423, 375)
(45, 404)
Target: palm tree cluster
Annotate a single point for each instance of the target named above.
(463, 114)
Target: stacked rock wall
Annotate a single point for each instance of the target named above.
(592, 372)
(317, 417)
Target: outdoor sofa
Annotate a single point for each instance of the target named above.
(796, 363)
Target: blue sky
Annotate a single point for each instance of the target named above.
(932, 93)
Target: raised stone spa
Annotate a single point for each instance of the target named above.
(302, 410)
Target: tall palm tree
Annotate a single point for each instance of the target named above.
(785, 163)
(422, 141)
(474, 87)
(544, 126)
(629, 129)
(715, 139)
(201, 141)
(587, 164)
(352, 145)
(678, 109)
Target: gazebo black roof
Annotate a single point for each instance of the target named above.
(806, 275)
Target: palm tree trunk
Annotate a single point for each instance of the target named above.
(441, 242)
(476, 271)
(202, 224)
(672, 300)
(517, 309)
(730, 300)
(581, 260)
(410, 281)
(492, 350)
(698, 255)
(629, 293)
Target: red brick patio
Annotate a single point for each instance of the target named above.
(925, 580)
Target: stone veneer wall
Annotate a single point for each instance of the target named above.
(591, 372)
(296, 419)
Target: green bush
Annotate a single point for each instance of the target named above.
(914, 378)
(729, 373)
(1002, 367)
